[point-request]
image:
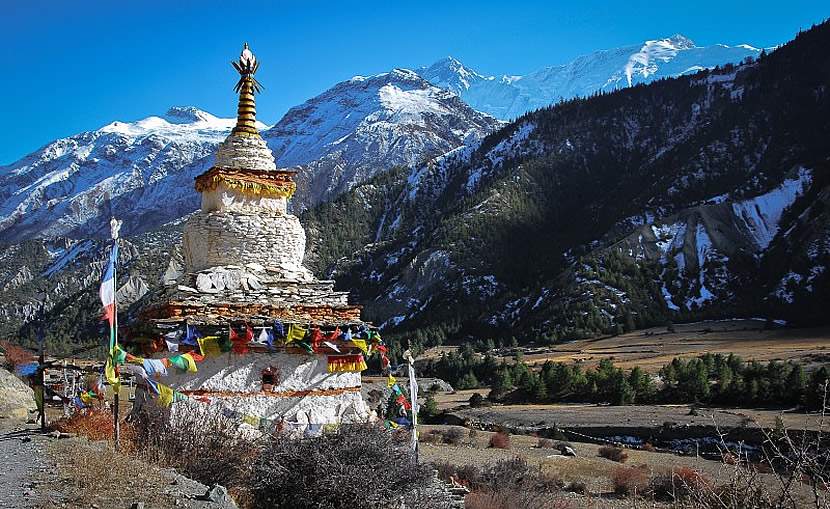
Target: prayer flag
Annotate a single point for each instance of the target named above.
(107, 291)
(154, 368)
(360, 343)
(191, 336)
(279, 329)
(345, 363)
(209, 346)
(295, 333)
(332, 346)
(165, 395)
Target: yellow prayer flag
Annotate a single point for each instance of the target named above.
(191, 363)
(209, 346)
(165, 395)
(251, 419)
(295, 333)
(361, 343)
(391, 381)
(109, 373)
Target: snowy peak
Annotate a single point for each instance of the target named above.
(679, 41)
(510, 96)
(368, 124)
(450, 74)
(188, 115)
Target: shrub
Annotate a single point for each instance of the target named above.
(198, 442)
(513, 499)
(613, 453)
(472, 436)
(679, 484)
(15, 355)
(477, 400)
(356, 466)
(500, 440)
(453, 436)
(577, 487)
(648, 447)
(630, 480)
(433, 437)
(95, 424)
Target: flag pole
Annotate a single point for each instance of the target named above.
(115, 225)
(413, 397)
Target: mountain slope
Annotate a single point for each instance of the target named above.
(702, 196)
(367, 125)
(141, 171)
(508, 97)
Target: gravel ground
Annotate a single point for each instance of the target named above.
(25, 476)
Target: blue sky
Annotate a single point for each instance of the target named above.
(75, 66)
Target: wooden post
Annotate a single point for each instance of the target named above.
(42, 362)
(42, 365)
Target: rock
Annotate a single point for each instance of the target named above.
(233, 280)
(566, 450)
(218, 494)
(254, 283)
(16, 398)
(172, 274)
(203, 282)
(218, 279)
(187, 289)
(255, 267)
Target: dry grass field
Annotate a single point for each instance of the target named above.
(587, 467)
(652, 348)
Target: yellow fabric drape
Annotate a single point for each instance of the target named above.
(295, 333)
(209, 346)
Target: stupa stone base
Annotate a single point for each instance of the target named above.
(277, 242)
(304, 392)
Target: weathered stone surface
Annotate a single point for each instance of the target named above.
(16, 398)
(275, 242)
(203, 282)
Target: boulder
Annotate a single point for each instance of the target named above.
(204, 283)
(16, 398)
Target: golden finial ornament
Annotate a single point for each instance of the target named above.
(247, 86)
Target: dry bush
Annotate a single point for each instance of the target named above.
(613, 453)
(630, 480)
(513, 499)
(648, 447)
(500, 440)
(93, 475)
(16, 355)
(357, 466)
(95, 424)
(199, 442)
(510, 484)
(433, 437)
(453, 436)
(577, 487)
(682, 483)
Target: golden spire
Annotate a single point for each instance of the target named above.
(247, 86)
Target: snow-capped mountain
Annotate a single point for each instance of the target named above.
(142, 171)
(367, 125)
(509, 96)
(704, 196)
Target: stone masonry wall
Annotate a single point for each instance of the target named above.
(234, 238)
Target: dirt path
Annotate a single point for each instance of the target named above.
(25, 475)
